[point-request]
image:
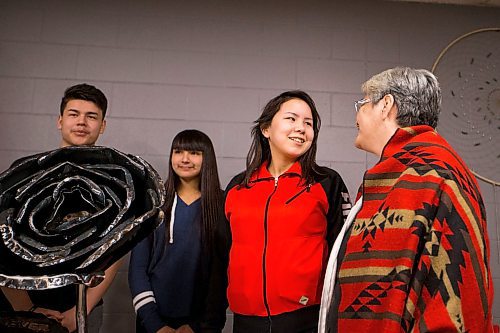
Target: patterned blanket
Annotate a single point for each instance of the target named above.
(417, 258)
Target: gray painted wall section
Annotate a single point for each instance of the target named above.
(212, 65)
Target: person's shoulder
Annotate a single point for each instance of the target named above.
(26, 159)
(235, 181)
(324, 173)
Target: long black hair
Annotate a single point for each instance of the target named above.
(211, 194)
(260, 150)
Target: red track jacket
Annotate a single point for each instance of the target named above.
(281, 231)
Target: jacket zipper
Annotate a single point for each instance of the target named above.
(264, 254)
(307, 188)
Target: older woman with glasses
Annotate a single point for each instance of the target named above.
(413, 254)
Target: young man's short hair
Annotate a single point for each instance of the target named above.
(85, 92)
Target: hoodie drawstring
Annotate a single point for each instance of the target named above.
(172, 219)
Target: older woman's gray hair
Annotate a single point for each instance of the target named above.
(416, 93)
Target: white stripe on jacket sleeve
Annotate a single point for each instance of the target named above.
(142, 299)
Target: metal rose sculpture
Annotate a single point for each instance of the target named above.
(70, 213)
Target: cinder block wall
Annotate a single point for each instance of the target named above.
(211, 65)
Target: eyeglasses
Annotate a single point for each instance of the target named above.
(360, 103)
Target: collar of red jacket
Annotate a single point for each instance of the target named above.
(262, 173)
(401, 138)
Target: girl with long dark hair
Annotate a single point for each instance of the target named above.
(169, 272)
(283, 214)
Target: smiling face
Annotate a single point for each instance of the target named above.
(291, 132)
(81, 123)
(187, 164)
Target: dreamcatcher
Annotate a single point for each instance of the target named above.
(468, 70)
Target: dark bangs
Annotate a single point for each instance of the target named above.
(190, 140)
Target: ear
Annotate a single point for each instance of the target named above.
(103, 127)
(390, 109)
(59, 122)
(265, 132)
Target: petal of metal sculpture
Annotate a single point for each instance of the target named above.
(68, 214)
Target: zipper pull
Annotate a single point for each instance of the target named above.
(308, 188)
(275, 181)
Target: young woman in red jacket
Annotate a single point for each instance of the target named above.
(283, 214)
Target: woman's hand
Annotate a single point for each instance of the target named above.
(166, 329)
(69, 319)
(52, 314)
(184, 329)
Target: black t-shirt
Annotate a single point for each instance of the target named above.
(4, 303)
(60, 299)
